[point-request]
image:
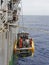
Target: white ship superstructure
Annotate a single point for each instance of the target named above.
(9, 14)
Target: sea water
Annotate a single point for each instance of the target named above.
(38, 28)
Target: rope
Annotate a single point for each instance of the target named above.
(22, 15)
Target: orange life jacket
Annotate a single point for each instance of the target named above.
(20, 43)
(30, 42)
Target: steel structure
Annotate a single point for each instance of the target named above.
(9, 14)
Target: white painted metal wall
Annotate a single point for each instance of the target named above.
(3, 49)
(7, 38)
(6, 47)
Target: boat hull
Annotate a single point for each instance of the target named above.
(24, 52)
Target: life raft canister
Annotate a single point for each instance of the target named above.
(20, 43)
(31, 42)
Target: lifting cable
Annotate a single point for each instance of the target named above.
(22, 15)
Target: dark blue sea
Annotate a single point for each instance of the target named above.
(38, 28)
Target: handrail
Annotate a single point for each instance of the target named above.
(23, 48)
